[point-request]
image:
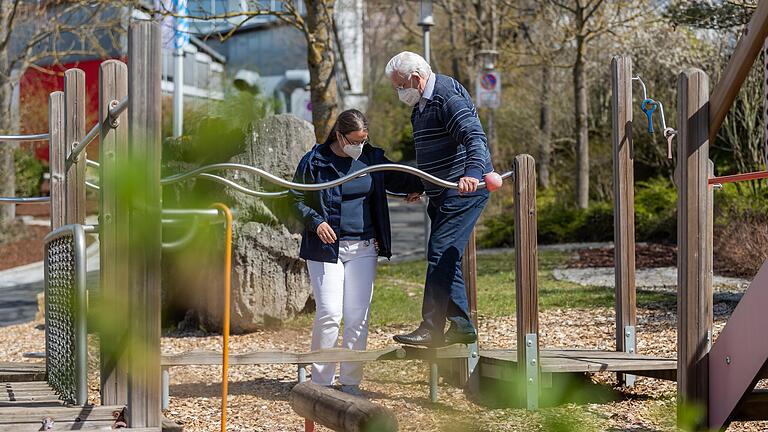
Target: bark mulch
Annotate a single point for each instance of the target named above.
(651, 255)
(24, 245)
(258, 394)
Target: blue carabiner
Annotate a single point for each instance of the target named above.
(649, 106)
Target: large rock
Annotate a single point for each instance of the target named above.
(276, 146)
(269, 280)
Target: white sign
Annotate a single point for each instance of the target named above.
(488, 90)
(301, 104)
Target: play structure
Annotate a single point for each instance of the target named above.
(720, 375)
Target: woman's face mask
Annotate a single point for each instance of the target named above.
(409, 96)
(352, 149)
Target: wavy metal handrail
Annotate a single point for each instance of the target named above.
(21, 200)
(243, 189)
(317, 186)
(27, 137)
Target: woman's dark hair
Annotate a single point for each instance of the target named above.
(349, 121)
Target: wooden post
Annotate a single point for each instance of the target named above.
(623, 208)
(56, 157)
(526, 274)
(74, 131)
(113, 237)
(144, 229)
(694, 310)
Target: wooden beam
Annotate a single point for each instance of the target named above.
(56, 157)
(623, 203)
(694, 310)
(144, 229)
(738, 68)
(738, 358)
(526, 263)
(113, 235)
(74, 131)
(340, 411)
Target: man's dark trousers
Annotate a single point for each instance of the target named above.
(453, 218)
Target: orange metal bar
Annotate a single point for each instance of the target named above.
(227, 282)
(739, 177)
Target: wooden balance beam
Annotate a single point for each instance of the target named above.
(339, 411)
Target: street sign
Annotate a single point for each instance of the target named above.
(488, 90)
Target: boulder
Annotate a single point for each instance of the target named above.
(269, 281)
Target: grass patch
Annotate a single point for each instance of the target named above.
(400, 286)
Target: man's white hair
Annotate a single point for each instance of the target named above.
(407, 63)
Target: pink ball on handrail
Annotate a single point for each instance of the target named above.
(493, 181)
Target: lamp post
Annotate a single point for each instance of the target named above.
(426, 20)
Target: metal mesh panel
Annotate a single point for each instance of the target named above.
(64, 314)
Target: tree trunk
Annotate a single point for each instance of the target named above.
(582, 127)
(321, 59)
(7, 171)
(545, 126)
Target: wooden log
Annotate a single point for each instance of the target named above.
(340, 411)
(526, 270)
(694, 308)
(144, 228)
(74, 131)
(56, 157)
(747, 50)
(623, 203)
(113, 235)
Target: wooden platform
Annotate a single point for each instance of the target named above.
(15, 372)
(500, 364)
(26, 401)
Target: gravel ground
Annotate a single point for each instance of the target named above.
(258, 394)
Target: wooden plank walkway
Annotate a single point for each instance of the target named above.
(571, 360)
(322, 356)
(27, 401)
(15, 372)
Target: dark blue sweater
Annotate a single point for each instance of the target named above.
(450, 142)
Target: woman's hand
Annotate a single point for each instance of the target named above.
(326, 234)
(413, 197)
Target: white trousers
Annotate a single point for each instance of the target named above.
(343, 289)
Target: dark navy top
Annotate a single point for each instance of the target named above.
(356, 195)
(450, 141)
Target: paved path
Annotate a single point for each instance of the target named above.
(659, 279)
(19, 287)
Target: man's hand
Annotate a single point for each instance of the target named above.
(326, 234)
(413, 197)
(468, 184)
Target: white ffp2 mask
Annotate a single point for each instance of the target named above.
(353, 151)
(409, 96)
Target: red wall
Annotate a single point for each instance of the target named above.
(35, 85)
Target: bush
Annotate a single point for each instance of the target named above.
(558, 222)
(29, 173)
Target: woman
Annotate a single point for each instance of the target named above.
(346, 228)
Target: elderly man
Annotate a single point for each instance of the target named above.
(451, 145)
